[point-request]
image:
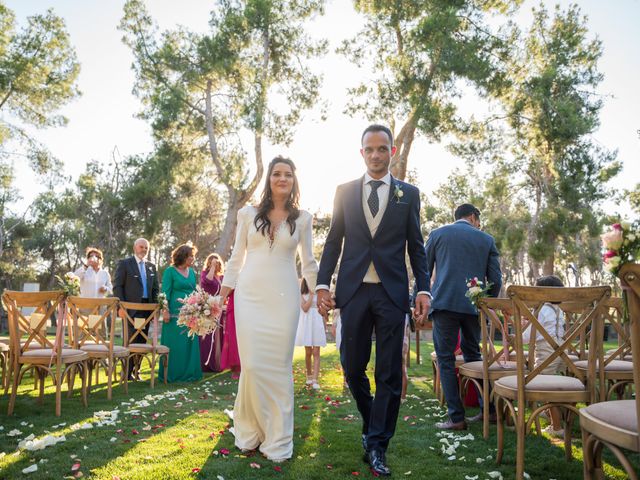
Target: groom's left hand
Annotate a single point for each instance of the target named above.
(423, 302)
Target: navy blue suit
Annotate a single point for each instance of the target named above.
(365, 307)
(458, 252)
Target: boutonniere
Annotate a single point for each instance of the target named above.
(398, 193)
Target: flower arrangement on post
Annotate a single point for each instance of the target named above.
(622, 245)
(476, 291)
(69, 284)
(200, 313)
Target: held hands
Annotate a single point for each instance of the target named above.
(423, 303)
(325, 302)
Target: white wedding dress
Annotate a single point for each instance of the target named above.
(267, 305)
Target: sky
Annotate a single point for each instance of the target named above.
(102, 121)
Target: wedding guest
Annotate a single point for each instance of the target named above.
(179, 281)
(211, 345)
(136, 281)
(551, 317)
(459, 251)
(311, 334)
(95, 281)
(229, 356)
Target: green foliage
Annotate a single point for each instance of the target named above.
(206, 94)
(419, 51)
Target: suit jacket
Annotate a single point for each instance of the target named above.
(127, 284)
(397, 234)
(459, 252)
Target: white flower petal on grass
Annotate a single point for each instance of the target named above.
(479, 460)
(14, 433)
(451, 457)
(526, 475)
(408, 473)
(113, 439)
(30, 469)
(469, 477)
(495, 474)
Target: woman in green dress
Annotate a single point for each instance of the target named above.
(178, 281)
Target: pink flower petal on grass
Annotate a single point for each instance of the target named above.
(254, 465)
(277, 468)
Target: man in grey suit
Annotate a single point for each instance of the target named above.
(458, 252)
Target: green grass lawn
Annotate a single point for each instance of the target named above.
(181, 431)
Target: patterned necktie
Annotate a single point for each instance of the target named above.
(143, 277)
(374, 203)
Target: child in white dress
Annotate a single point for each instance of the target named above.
(311, 334)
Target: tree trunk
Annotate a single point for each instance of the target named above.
(403, 143)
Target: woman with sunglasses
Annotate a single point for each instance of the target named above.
(95, 281)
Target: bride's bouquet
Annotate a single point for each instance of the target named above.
(200, 313)
(70, 284)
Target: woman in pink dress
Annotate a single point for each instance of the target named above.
(230, 358)
(211, 345)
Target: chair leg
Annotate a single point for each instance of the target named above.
(84, 368)
(166, 367)
(486, 403)
(499, 429)
(14, 388)
(418, 347)
(153, 368)
(521, 435)
(125, 374)
(41, 375)
(59, 376)
(567, 435)
(110, 367)
(71, 380)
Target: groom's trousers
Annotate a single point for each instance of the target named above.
(369, 310)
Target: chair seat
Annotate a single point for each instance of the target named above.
(549, 386)
(147, 348)
(496, 370)
(613, 366)
(615, 422)
(44, 355)
(103, 350)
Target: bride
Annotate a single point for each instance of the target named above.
(262, 269)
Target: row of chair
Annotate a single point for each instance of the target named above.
(521, 391)
(84, 341)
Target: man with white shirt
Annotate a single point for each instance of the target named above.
(136, 280)
(376, 221)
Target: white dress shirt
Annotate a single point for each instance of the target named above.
(91, 281)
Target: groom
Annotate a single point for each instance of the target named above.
(376, 220)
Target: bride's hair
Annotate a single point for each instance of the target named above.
(262, 222)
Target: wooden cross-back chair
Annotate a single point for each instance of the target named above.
(616, 424)
(617, 373)
(495, 317)
(153, 352)
(93, 331)
(37, 351)
(530, 385)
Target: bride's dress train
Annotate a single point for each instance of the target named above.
(267, 306)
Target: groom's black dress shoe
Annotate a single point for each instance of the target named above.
(378, 463)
